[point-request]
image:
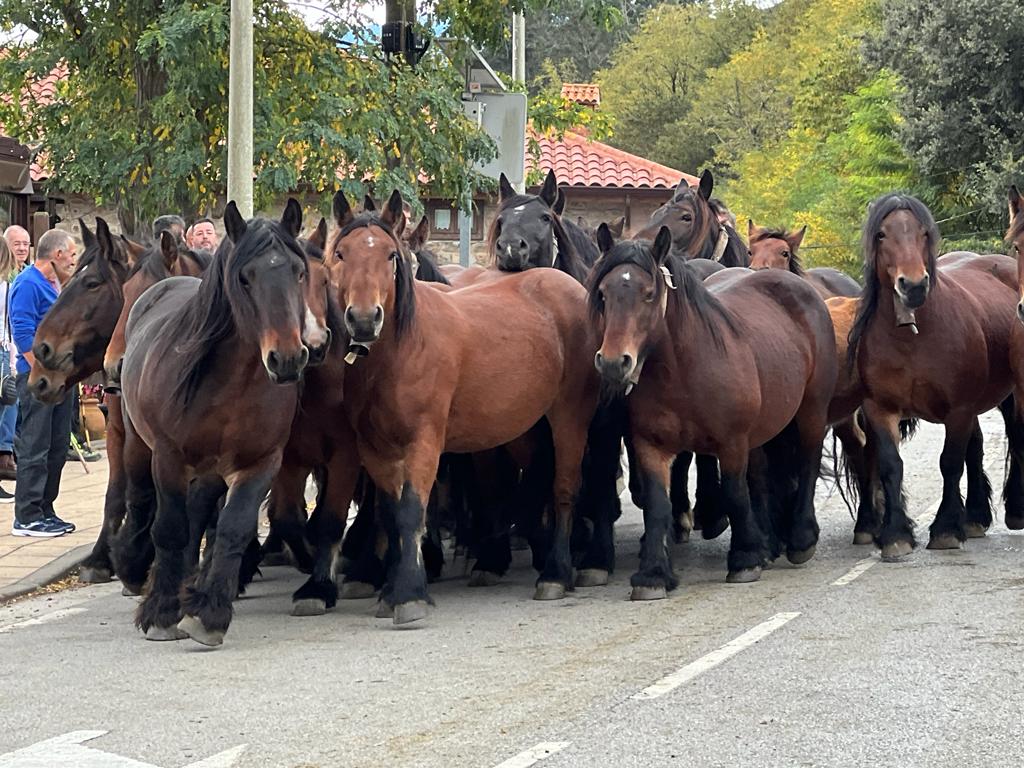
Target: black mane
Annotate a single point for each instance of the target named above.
(586, 249)
(427, 269)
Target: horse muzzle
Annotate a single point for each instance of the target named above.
(47, 390)
(285, 369)
(912, 294)
(620, 371)
(512, 256)
(364, 327)
(48, 356)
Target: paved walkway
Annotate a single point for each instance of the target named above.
(80, 502)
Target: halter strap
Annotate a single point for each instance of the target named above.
(721, 245)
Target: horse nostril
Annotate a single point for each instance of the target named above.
(273, 360)
(627, 363)
(523, 244)
(901, 283)
(350, 316)
(926, 281)
(598, 360)
(44, 350)
(378, 315)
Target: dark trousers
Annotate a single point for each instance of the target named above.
(41, 445)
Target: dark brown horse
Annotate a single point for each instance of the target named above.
(779, 249)
(696, 232)
(757, 353)
(1013, 493)
(527, 330)
(209, 383)
(931, 340)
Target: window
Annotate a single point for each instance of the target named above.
(444, 220)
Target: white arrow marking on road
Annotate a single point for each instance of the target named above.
(67, 752)
(534, 755)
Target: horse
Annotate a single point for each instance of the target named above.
(195, 351)
(778, 249)
(931, 340)
(1014, 490)
(757, 352)
(696, 232)
(404, 332)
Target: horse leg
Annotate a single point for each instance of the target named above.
(811, 424)
(858, 469)
(364, 548)
(636, 489)
(201, 502)
(979, 489)
(133, 546)
(749, 545)
(708, 514)
(1013, 491)
(896, 536)
(326, 528)
(286, 511)
(679, 494)
(160, 610)
(206, 603)
(98, 566)
(599, 497)
(947, 530)
(492, 546)
(655, 577)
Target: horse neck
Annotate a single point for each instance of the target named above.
(685, 334)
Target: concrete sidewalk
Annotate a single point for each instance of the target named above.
(27, 563)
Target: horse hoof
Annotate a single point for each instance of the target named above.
(802, 556)
(310, 606)
(683, 536)
(944, 541)
(130, 590)
(356, 590)
(592, 577)
(518, 543)
(194, 628)
(716, 528)
(648, 593)
(90, 575)
(549, 590)
(896, 551)
(975, 530)
(483, 579)
(1014, 523)
(384, 611)
(165, 633)
(274, 559)
(406, 613)
(860, 538)
(746, 575)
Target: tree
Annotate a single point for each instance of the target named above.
(655, 76)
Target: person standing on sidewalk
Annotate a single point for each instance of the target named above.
(41, 442)
(8, 413)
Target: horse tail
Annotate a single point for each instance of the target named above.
(908, 428)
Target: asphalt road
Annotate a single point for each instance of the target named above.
(845, 661)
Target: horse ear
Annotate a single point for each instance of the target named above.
(559, 206)
(368, 204)
(751, 229)
(681, 187)
(1015, 201)
(795, 238)
(505, 190)
(134, 250)
(617, 226)
(707, 183)
(319, 235)
(88, 238)
(662, 245)
(169, 249)
(420, 235)
(393, 213)
(605, 241)
(549, 192)
(234, 224)
(342, 211)
(291, 219)
(104, 238)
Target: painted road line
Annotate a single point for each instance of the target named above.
(713, 659)
(46, 618)
(534, 755)
(856, 571)
(68, 751)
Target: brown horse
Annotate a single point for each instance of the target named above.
(779, 249)
(209, 383)
(931, 340)
(757, 353)
(498, 357)
(1014, 490)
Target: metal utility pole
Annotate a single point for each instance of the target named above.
(240, 143)
(519, 62)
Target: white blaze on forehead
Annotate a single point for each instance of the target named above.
(519, 208)
(370, 242)
(275, 259)
(626, 277)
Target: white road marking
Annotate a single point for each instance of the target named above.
(534, 755)
(67, 752)
(46, 618)
(716, 657)
(856, 571)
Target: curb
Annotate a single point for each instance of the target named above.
(49, 573)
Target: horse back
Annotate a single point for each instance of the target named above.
(831, 282)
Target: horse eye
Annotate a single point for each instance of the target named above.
(393, 256)
(785, 254)
(600, 296)
(338, 256)
(1016, 248)
(686, 217)
(880, 236)
(92, 285)
(244, 281)
(545, 218)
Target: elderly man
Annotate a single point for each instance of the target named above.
(18, 241)
(204, 236)
(41, 442)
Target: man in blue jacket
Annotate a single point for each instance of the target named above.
(41, 442)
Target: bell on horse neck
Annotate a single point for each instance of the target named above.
(904, 316)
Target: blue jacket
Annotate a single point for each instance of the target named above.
(32, 295)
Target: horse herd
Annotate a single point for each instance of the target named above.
(493, 403)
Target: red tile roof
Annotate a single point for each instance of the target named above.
(587, 94)
(579, 162)
(40, 93)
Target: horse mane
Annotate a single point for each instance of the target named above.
(878, 210)
(795, 265)
(428, 271)
(405, 296)
(218, 310)
(689, 297)
(585, 248)
(736, 252)
(567, 258)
